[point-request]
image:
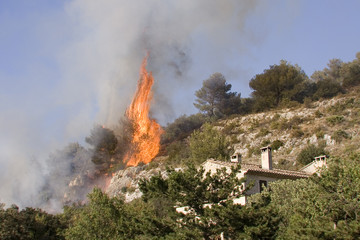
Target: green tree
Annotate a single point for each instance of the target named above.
(107, 217)
(328, 81)
(325, 206)
(280, 83)
(29, 223)
(208, 143)
(196, 190)
(102, 218)
(340, 184)
(333, 71)
(104, 143)
(326, 89)
(351, 72)
(301, 209)
(182, 127)
(211, 211)
(215, 98)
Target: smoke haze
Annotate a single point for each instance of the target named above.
(96, 49)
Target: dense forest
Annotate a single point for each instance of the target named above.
(324, 206)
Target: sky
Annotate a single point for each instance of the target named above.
(66, 65)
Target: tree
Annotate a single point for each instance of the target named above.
(333, 71)
(300, 206)
(214, 97)
(107, 217)
(207, 142)
(326, 88)
(340, 185)
(104, 143)
(211, 211)
(279, 83)
(29, 223)
(102, 218)
(325, 206)
(351, 72)
(182, 127)
(208, 197)
(328, 81)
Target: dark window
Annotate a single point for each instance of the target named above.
(262, 184)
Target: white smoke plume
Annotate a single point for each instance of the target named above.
(97, 66)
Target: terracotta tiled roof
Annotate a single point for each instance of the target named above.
(278, 173)
(256, 169)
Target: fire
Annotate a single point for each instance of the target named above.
(146, 137)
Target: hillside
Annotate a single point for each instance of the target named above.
(333, 123)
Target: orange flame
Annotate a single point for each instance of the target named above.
(147, 132)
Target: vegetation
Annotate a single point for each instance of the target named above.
(215, 98)
(104, 144)
(309, 153)
(29, 223)
(325, 206)
(275, 145)
(277, 84)
(208, 143)
(182, 127)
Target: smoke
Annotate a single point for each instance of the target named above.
(96, 49)
(187, 41)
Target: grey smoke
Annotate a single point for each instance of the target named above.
(98, 64)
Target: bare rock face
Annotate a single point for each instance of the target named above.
(126, 182)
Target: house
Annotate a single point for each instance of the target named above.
(315, 165)
(258, 176)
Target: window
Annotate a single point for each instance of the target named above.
(262, 184)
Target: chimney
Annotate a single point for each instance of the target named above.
(236, 158)
(266, 159)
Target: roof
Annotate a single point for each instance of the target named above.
(256, 169)
(279, 173)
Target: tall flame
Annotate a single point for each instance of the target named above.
(147, 132)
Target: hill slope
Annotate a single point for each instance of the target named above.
(332, 123)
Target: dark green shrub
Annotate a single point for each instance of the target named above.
(297, 133)
(318, 114)
(295, 121)
(275, 125)
(283, 124)
(263, 132)
(276, 117)
(254, 124)
(265, 143)
(234, 139)
(276, 144)
(232, 128)
(339, 135)
(309, 153)
(124, 189)
(319, 133)
(336, 119)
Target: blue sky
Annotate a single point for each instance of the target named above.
(66, 65)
